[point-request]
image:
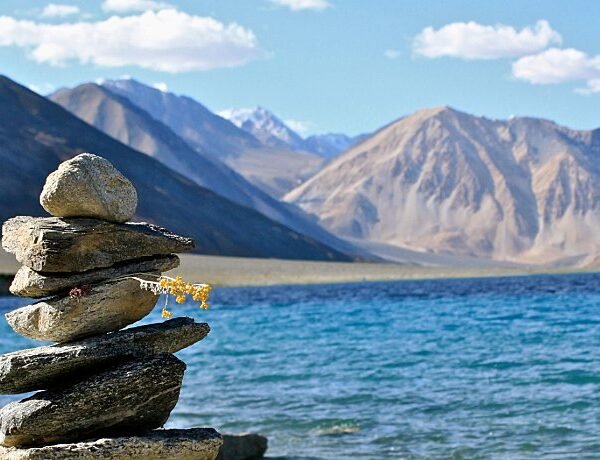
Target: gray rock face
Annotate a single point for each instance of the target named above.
(89, 186)
(246, 446)
(128, 399)
(102, 308)
(52, 244)
(45, 367)
(29, 283)
(192, 444)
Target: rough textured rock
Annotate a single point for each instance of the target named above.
(192, 444)
(29, 283)
(245, 446)
(128, 399)
(89, 186)
(44, 367)
(52, 244)
(101, 308)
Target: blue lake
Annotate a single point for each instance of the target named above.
(478, 368)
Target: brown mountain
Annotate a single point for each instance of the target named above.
(520, 190)
(274, 169)
(36, 135)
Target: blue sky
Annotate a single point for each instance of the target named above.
(334, 65)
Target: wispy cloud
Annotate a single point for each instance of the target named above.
(299, 126)
(167, 40)
(299, 5)
(392, 53)
(470, 40)
(125, 6)
(555, 66)
(55, 10)
(161, 86)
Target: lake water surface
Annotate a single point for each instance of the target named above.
(478, 368)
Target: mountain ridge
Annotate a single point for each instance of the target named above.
(120, 118)
(37, 134)
(440, 179)
(274, 169)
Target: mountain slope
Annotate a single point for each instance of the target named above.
(522, 190)
(274, 169)
(120, 118)
(36, 135)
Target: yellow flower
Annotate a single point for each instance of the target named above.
(166, 313)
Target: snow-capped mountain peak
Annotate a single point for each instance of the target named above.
(265, 126)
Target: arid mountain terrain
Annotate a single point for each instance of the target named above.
(118, 117)
(37, 134)
(520, 190)
(275, 169)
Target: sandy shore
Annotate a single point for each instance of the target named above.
(235, 271)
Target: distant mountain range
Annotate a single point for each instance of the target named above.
(438, 186)
(37, 134)
(121, 119)
(272, 131)
(525, 190)
(274, 169)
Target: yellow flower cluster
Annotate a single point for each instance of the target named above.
(180, 289)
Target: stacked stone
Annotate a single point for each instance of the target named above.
(105, 391)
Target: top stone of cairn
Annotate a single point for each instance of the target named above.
(89, 186)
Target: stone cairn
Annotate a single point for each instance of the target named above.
(105, 391)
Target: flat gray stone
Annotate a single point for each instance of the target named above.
(50, 366)
(53, 244)
(245, 446)
(89, 186)
(102, 308)
(29, 283)
(191, 444)
(128, 399)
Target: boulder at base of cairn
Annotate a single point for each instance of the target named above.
(97, 309)
(50, 366)
(52, 244)
(89, 186)
(29, 283)
(192, 444)
(245, 446)
(128, 399)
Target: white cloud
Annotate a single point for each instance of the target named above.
(300, 127)
(299, 5)
(161, 86)
(55, 10)
(124, 6)
(166, 40)
(392, 53)
(470, 40)
(560, 66)
(592, 86)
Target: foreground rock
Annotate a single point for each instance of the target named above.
(128, 399)
(89, 186)
(248, 446)
(52, 244)
(44, 367)
(29, 283)
(192, 444)
(101, 308)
